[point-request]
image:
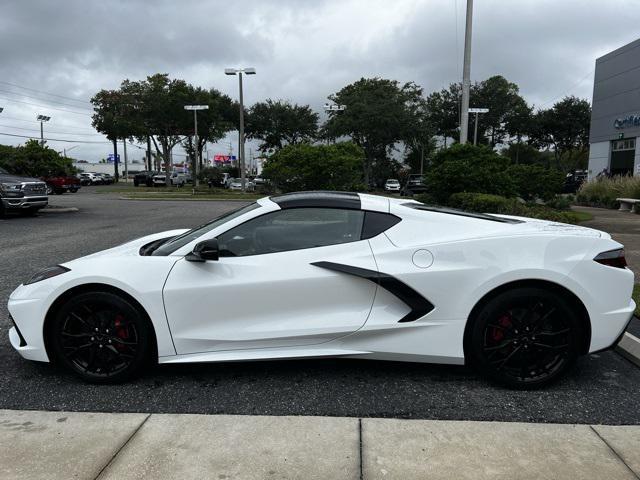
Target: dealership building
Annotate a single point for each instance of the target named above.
(615, 116)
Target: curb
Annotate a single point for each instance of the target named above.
(629, 347)
(59, 210)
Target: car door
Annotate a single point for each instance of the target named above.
(265, 291)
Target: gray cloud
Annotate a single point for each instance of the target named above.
(303, 50)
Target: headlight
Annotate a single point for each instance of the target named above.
(11, 189)
(47, 273)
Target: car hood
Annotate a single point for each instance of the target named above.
(131, 248)
(17, 179)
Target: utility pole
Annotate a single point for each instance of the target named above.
(126, 169)
(466, 76)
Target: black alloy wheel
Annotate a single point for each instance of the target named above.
(101, 337)
(525, 338)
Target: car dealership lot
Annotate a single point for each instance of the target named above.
(602, 389)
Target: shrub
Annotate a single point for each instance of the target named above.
(468, 168)
(535, 181)
(34, 160)
(316, 167)
(478, 169)
(486, 203)
(602, 192)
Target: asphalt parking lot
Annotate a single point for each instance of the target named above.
(603, 389)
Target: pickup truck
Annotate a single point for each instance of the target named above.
(59, 184)
(21, 194)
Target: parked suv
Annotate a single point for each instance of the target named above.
(21, 194)
(144, 178)
(415, 184)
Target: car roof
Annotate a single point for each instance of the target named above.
(331, 199)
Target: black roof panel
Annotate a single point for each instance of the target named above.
(326, 199)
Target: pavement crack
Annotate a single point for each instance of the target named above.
(117, 452)
(360, 447)
(614, 452)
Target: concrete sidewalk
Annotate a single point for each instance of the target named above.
(59, 445)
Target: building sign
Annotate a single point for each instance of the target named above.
(224, 159)
(627, 122)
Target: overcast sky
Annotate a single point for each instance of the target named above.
(303, 50)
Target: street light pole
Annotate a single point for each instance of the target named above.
(194, 170)
(475, 128)
(466, 76)
(42, 119)
(241, 137)
(239, 72)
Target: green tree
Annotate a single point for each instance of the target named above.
(279, 123)
(214, 122)
(443, 110)
(378, 114)
(31, 159)
(564, 129)
(316, 167)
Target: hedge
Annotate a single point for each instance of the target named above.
(488, 203)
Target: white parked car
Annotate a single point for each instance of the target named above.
(236, 184)
(159, 180)
(392, 185)
(178, 179)
(334, 275)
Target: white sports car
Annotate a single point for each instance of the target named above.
(330, 274)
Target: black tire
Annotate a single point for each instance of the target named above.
(73, 189)
(101, 337)
(524, 338)
(58, 191)
(31, 212)
(135, 183)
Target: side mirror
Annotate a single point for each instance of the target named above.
(203, 251)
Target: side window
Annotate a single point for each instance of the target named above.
(377, 222)
(292, 229)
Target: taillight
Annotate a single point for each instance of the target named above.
(612, 258)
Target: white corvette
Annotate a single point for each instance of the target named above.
(328, 274)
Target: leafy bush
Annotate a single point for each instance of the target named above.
(535, 181)
(486, 203)
(561, 202)
(478, 169)
(602, 192)
(468, 168)
(316, 167)
(33, 160)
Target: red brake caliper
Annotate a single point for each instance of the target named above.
(504, 321)
(121, 331)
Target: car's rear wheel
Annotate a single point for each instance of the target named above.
(73, 189)
(525, 338)
(101, 337)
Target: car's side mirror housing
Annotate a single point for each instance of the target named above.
(203, 251)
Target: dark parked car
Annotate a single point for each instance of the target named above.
(415, 185)
(144, 178)
(21, 194)
(574, 180)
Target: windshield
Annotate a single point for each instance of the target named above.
(181, 240)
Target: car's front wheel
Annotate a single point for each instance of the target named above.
(525, 338)
(101, 337)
